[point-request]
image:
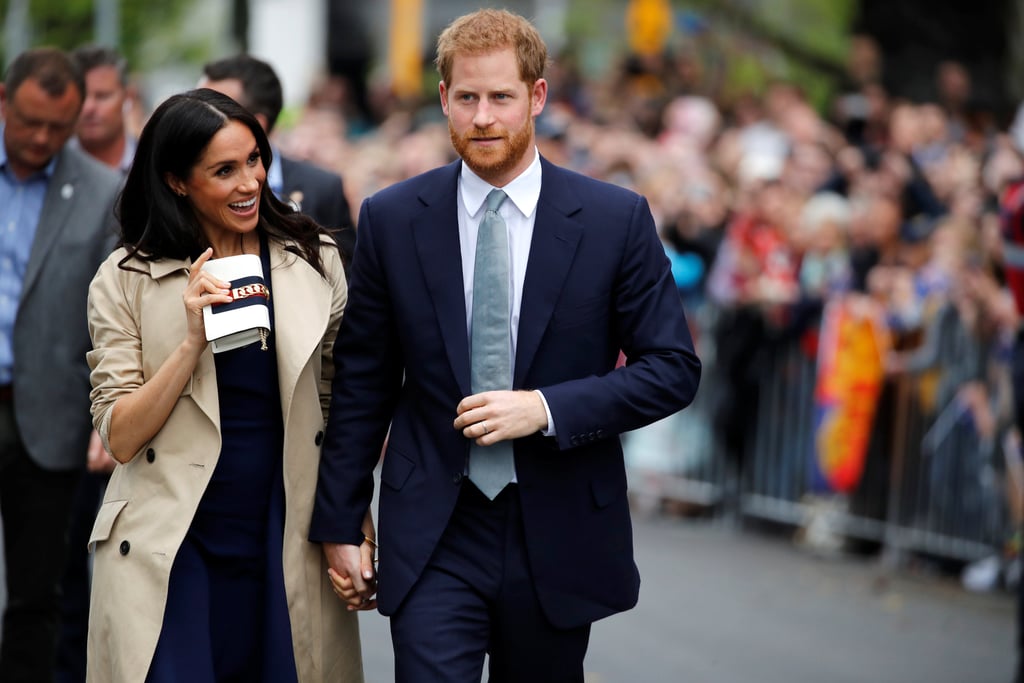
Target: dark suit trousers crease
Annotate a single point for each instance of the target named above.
(77, 583)
(476, 596)
(36, 506)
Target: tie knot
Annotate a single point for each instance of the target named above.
(495, 199)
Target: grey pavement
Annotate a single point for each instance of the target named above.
(725, 606)
(719, 605)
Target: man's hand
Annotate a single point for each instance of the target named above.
(97, 458)
(494, 416)
(350, 568)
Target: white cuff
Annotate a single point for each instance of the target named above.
(550, 430)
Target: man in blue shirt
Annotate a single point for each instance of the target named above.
(56, 225)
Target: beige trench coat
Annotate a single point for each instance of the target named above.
(136, 320)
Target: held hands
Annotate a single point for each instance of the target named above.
(351, 569)
(494, 416)
(202, 289)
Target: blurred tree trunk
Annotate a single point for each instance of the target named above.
(17, 30)
(240, 24)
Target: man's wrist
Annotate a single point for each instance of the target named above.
(548, 428)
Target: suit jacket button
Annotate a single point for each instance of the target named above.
(319, 439)
(150, 455)
(457, 479)
(125, 547)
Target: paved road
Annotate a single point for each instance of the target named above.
(720, 606)
(723, 606)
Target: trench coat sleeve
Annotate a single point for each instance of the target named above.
(115, 360)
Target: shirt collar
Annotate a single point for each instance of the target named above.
(47, 171)
(524, 191)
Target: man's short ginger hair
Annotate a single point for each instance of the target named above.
(488, 30)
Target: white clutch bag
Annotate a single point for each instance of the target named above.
(246, 319)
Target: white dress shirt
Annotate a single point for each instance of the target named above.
(519, 212)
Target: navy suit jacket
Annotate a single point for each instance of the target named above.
(323, 200)
(597, 281)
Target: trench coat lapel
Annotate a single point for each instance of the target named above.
(202, 386)
(301, 299)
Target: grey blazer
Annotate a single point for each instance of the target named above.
(51, 336)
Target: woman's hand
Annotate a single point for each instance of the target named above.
(202, 290)
(353, 571)
(138, 416)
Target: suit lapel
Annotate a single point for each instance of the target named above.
(556, 235)
(435, 230)
(57, 208)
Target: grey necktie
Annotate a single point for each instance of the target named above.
(491, 467)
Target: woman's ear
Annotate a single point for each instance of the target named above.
(176, 184)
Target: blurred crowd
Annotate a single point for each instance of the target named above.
(771, 206)
(768, 205)
(764, 201)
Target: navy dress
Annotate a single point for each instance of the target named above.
(227, 614)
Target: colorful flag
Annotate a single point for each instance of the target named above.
(851, 371)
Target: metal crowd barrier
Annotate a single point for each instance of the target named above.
(676, 460)
(930, 484)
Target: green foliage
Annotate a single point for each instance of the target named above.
(60, 23)
(151, 32)
(745, 44)
(818, 26)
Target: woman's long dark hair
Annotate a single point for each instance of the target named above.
(156, 223)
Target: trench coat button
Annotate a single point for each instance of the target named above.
(150, 455)
(457, 479)
(125, 547)
(319, 439)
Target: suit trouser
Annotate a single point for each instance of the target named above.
(1017, 374)
(77, 582)
(477, 596)
(35, 504)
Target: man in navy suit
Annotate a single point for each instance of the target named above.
(521, 576)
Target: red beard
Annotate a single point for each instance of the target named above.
(494, 161)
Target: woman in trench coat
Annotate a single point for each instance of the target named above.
(202, 567)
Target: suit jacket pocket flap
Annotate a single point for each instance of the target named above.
(105, 522)
(396, 469)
